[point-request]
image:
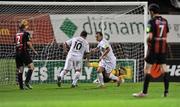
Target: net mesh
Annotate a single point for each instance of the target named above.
(118, 19)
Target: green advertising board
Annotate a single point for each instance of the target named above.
(46, 71)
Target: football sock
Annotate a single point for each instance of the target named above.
(62, 74)
(28, 77)
(100, 76)
(76, 77)
(146, 83)
(166, 82)
(20, 80)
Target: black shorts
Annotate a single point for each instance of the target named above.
(152, 58)
(23, 58)
(105, 77)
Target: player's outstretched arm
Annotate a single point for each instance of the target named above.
(65, 47)
(31, 47)
(94, 50)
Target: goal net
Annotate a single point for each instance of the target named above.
(51, 23)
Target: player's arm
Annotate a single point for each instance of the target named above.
(149, 31)
(107, 49)
(94, 50)
(29, 43)
(31, 47)
(67, 45)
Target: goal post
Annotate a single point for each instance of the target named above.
(123, 24)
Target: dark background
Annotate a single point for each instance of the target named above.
(167, 6)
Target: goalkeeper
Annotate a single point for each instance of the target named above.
(121, 72)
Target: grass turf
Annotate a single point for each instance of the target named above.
(87, 95)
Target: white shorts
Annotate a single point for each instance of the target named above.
(73, 62)
(107, 65)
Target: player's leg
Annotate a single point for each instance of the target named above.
(165, 79)
(67, 67)
(150, 59)
(29, 74)
(147, 77)
(100, 76)
(76, 78)
(162, 62)
(28, 61)
(60, 77)
(113, 77)
(100, 69)
(109, 67)
(19, 70)
(77, 67)
(20, 77)
(106, 77)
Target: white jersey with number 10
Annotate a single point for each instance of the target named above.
(78, 46)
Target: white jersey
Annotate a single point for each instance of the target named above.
(78, 46)
(103, 44)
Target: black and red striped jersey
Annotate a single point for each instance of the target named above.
(21, 39)
(158, 28)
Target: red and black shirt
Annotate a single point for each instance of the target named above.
(21, 40)
(158, 28)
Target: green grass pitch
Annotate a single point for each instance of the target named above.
(87, 95)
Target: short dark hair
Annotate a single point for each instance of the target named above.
(84, 34)
(100, 33)
(154, 7)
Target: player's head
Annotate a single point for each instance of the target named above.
(154, 9)
(24, 24)
(83, 34)
(99, 36)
